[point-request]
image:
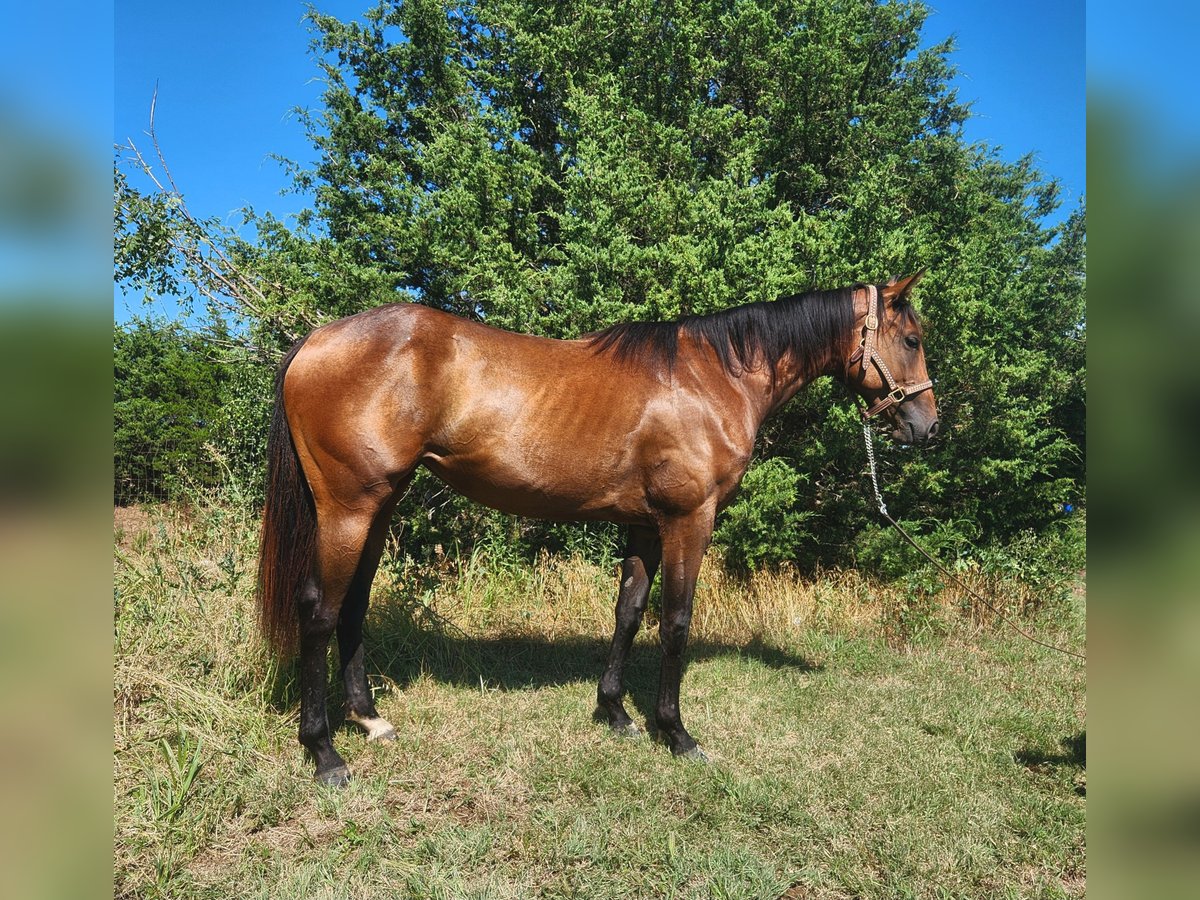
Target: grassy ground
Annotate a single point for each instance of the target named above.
(863, 743)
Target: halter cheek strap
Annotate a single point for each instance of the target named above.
(869, 353)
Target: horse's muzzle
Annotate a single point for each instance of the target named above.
(910, 431)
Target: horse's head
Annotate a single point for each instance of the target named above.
(887, 364)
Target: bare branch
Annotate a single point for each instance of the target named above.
(217, 277)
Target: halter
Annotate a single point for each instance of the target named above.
(868, 353)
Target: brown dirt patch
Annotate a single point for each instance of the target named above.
(128, 522)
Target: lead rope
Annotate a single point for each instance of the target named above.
(867, 439)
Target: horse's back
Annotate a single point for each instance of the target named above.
(436, 340)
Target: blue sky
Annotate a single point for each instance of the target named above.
(228, 75)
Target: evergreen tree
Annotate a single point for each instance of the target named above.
(167, 390)
(558, 167)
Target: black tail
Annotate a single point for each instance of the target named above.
(289, 530)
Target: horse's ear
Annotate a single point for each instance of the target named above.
(897, 290)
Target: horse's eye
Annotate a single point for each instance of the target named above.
(912, 341)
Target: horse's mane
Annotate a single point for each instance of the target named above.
(743, 337)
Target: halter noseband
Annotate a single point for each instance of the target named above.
(868, 353)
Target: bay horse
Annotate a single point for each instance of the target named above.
(647, 424)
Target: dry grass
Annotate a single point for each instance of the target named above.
(867, 742)
(557, 597)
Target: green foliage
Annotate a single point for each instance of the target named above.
(145, 228)
(1047, 561)
(516, 161)
(555, 168)
(559, 167)
(242, 422)
(762, 525)
(881, 551)
(167, 392)
(190, 410)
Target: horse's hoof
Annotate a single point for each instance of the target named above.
(695, 755)
(629, 731)
(377, 729)
(337, 777)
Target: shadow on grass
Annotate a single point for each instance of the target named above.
(531, 662)
(1073, 753)
(405, 642)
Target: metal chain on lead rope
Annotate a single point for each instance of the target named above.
(870, 444)
(866, 425)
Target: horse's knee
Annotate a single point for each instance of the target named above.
(673, 635)
(314, 730)
(629, 618)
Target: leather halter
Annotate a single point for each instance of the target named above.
(869, 353)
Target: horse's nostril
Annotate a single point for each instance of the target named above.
(933, 429)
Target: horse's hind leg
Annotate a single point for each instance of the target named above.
(341, 538)
(360, 706)
(642, 553)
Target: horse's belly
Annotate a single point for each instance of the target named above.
(560, 492)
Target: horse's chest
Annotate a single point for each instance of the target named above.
(696, 474)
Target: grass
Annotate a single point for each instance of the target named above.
(864, 743)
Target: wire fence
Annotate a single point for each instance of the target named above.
(167, 472)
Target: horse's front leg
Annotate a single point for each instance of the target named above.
(683, 544)
(642, 553)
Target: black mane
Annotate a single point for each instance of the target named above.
(743, 337)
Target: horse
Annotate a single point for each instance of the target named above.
(650, 425)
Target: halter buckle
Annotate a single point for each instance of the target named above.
(872, 322)
(897, 395)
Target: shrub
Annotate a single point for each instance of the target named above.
(762, 526)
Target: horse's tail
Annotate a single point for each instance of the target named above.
(289, 530)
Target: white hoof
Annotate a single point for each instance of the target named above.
(376, 729)
(629, 731)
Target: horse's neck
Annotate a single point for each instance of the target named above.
(764, 394)
(788, 380)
